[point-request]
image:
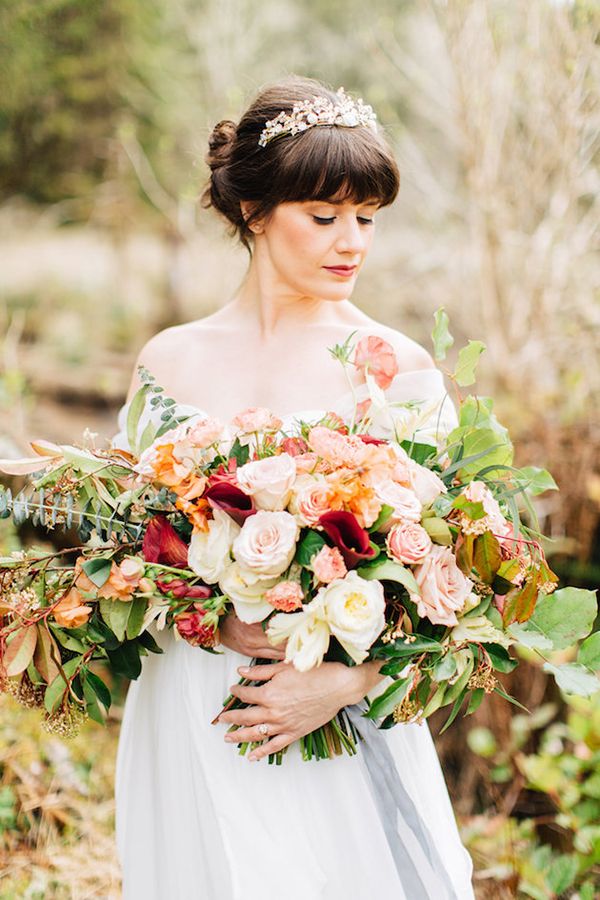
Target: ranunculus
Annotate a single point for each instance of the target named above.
(253, 419)
(337, 448)
(269, 481)
(197, 628)
(247, 592)
(71, 611)
(444, 589)
(286, 596)
(406, 504)
(328, 564)
(307, 635)
(352, 541)
(266, 543)
(379, 358)
(408, 542)
(209, 551)
(311, 497)
(354, 611)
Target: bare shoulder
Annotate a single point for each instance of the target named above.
(411, 355)
(160, 353)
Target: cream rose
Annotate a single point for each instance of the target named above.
(407, 506)
(354, 611)
(311, 497)
(209, 551)
(269, 481)
(408, 543)
(266, 543)
(444, 589)
(426, 484)
(307, 634)
(246, 591)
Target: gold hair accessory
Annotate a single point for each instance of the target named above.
(319, 111)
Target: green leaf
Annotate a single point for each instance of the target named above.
(529, 637)
(467, 363)
(536, 480)
(384, 704)
(441, 337)
(136, 407)
(115, 613)
(391, 571)
(562, 873)
(475, 701)
(444, 668)
(147, 437)
(384, 514)
(42, 657)
(56, 689)
(97, 570)
(125, 660)
(482, 447)
(487, 556)
(564, 617)
(438, 530)
(310, 545)
(99, 688)
(589, 652)
(137, 611)
(455, 709)
(500, 658)
(20, 648)
(419, 452)
(574, 679)
(92, 708)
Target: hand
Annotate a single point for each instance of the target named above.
(292, 703)
(249, 640)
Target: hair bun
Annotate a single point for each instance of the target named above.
(220, 143)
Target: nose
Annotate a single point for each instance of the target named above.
(351, 237)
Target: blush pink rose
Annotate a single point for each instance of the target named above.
(205, 432)
(312, 498)
(407, 506)
(285, 596)
(269, 481)
(338, 449)
(379, 357)
(328, 564)
(256, 418)
(266, 543)
(444, 588)
(408, 542)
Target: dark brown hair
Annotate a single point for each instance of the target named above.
(321, 163)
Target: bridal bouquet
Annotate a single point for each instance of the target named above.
(347, 546)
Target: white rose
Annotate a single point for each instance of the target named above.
(269, 481)
(246, 591)
(307, 635)
(266, 543)
(407, 506)
(426, 484)
(354, 610)
(209, 551)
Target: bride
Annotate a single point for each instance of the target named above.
(193, 818)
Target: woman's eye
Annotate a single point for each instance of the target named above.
(322, 221)
(365, 221)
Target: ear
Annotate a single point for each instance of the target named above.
(247, 207)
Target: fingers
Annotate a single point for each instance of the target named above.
(248, 693)
(249, 733)
(278, 742)
(253, 715)
(262, 673)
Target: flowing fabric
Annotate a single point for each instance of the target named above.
(194, 819)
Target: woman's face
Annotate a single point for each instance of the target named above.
(317, 247)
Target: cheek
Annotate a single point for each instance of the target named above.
(298, 238)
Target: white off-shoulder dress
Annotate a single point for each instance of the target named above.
(196, 821)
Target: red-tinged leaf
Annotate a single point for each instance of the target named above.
(508, 569)
(20, 651)
(163, 545)
(486, 556)
(464, 553)
(520, 603)
(43, 659)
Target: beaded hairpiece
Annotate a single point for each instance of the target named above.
(319, 111)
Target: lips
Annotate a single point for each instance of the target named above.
(341, 270)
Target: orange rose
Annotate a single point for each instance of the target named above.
(71, 611)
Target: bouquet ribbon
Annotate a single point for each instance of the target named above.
(411, 844)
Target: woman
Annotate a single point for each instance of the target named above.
(301, 189)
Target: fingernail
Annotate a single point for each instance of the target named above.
(243, 670)
(252, 758)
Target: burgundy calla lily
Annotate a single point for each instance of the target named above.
(351, 540)
(232, 500)
(163, 545)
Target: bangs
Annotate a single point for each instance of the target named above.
(332, 163)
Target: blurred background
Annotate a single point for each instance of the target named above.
(492, 109)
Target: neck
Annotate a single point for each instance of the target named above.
(273, 309)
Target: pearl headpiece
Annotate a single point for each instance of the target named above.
(319, 111)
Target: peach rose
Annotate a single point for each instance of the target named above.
(256, 418)
(407, 506)
(408, 542)
(266, 543)
(269, 481)
(311, 498)
(338, 449)
(124, 579)
(444, 589)
(71, 611)
(379, 358)
(328, 564)
(286, 596)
